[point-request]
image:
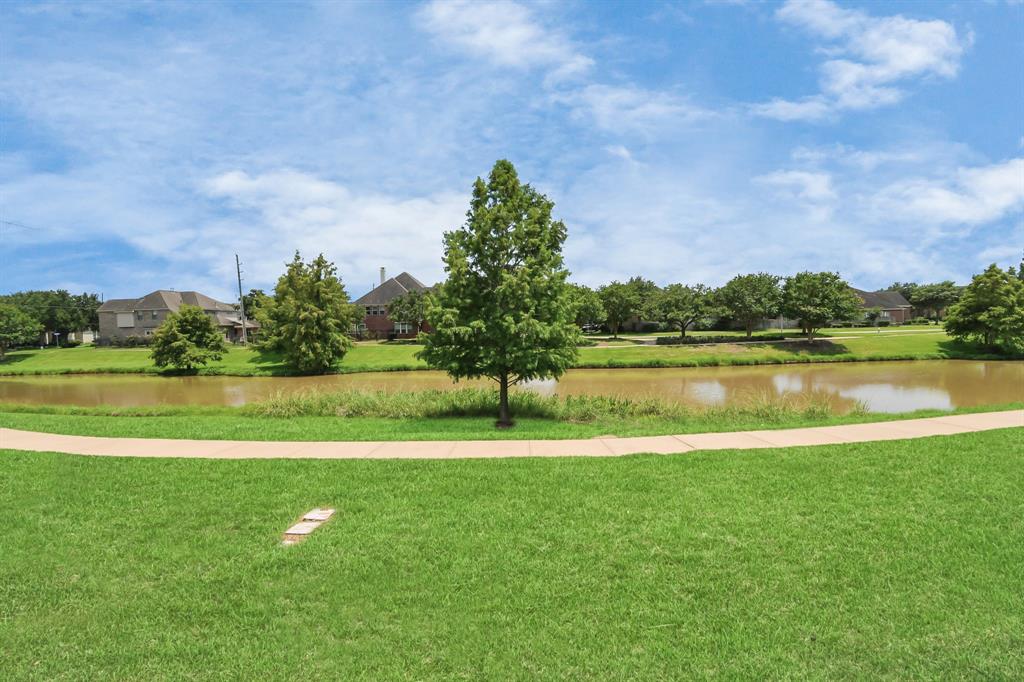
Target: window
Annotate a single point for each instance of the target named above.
(403, 327)
(154, 314)
(139, 314)
(376, 310)
(125, 320)
(149, 332)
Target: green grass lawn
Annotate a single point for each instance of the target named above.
(226, 423)
(902, 560)
(366, 357)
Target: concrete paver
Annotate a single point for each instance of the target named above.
(594, 447)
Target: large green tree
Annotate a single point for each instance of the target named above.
(187, 339)
(749, 299)
(934, 298)
(620, 302)
(58, 310)
(308, 319)
(587, 305)
(410, 307)
(680, 306)
(505, 311)
(990, 310)
(818, 298)
(16, 328)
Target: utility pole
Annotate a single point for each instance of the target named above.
(241, 299)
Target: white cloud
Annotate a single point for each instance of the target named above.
(870, 58)
(972, 196)
(359, 231)
(630, 109)
(808, 186)
(504, 32)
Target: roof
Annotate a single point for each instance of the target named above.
(887, 300)
(391, 289)
(165, 299)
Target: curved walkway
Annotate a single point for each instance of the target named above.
(594, 447)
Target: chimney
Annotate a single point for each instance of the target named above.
(383, 275)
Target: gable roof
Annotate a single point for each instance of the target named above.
(887, 300)
(391, 289)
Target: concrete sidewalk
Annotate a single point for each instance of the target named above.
(594, 447)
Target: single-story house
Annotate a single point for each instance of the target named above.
(123, 318)
(894, 308)
(376, 323)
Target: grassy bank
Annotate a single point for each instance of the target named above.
(370, 357)
(465, 414)
(837, 562)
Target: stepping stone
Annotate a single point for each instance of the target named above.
(318, 515)
(303, 528)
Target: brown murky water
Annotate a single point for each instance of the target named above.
(881, 386)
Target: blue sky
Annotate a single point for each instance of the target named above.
(146, 143)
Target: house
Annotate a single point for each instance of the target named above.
(376, 323)
(138, 318)
(893, 306)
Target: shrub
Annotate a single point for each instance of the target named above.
(71, 344)
(688, 340)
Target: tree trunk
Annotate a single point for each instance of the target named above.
(810, 335)
(504, 419)
(615, 330)
(750, 329)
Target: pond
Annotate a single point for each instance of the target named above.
(880, 386)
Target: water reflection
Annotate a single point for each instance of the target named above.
(881, 386)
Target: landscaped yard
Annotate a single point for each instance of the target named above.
(371, 356)
(902, 560)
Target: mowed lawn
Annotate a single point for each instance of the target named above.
(371, 356)
(896, 560)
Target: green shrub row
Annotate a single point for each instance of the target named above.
(688, 340)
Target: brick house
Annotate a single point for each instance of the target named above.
(376, 323)
(894, 307)
(124, 318)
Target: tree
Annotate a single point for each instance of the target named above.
(991, 310)
(308, 319)
(16, 328)
(645, 291)
(872, 315)
(818, 298)
(587, 304)
(905, 288)
(505, 311)
(254, 301)
(187, 339)
(681, 306)
(620, 303)
(749, 299)
(935, 297)
(410, 307)
(58, 310)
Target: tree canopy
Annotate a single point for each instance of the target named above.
(620, 302)
(818, 298)
(58, 310)
(587, 305)
(990, 310)
(749, 299)
(16, 328)
(410, 307)
(934, 297)
(187, 339)
(505, 311)
(308, 319)
(680, 306)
